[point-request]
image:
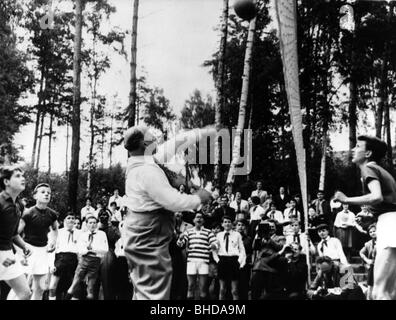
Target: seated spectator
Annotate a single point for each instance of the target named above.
(296, 236)
(281, 199)
(343, 228)
(314, 220)
(87, 210)
(292, 212)
(326, 285)
(256, 214)
(296, 272)
(330, 247)
(229, 194)
(222, 210)
(116, 198)
(274, 214)
(367, 253)
(259, 192)
(240, 206)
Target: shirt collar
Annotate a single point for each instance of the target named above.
(7, 196)
(140, 159)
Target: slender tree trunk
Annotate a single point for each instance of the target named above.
(36, 129)
(243, 101)
(323, 163)
(50, 142)
(111, 139)
(67, 144)
(91, 122)
(76, 117)
(132, 93)
(220, 103)
(40, 139)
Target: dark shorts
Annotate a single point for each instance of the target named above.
(228, 268)
(370, 276)
(65, 263)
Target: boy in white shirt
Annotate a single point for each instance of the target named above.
(66, 258)
(231, 258)
(92, 246)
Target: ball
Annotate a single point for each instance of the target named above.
(245, 9)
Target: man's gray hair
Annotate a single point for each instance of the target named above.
(133, 136)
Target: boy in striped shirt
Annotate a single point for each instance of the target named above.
(200, 242)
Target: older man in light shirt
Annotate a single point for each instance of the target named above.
(149, 225)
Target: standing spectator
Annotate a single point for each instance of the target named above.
(322, 207)
(92, 247)
(330, 247)
(259, 192)
(296, 272)
(66, 259)
(281, 199)
(35, 223)
(200, 241)
(116, 198)
(256, 214)
(87, 210)
(178, 255)
(244, 278)
(343, 228)
(267, 247)
(213, 279)
(108, 263)
(367, 253)
(232, 257)
(240, 206)
(229, 194)
(99, 207)
(123, 285)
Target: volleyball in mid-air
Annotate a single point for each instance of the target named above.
(245, 9)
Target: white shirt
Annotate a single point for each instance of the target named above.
(66, 241)
(235, 246)
(289, 212)
(244, 205)
(116, 199)
(147, 188)
(99, 243)
(333, 249)
(87, 210)
(302, 240)
(256, 213)
(278, 215)
(345, 219)
(262, 194)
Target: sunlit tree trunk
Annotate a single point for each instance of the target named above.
(132, 92)
(243, 101)
(76, 116)
(220, 103)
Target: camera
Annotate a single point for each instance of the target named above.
(264, 230)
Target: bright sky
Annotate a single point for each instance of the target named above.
(174, 38)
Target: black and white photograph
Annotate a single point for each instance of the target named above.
(214, 151)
